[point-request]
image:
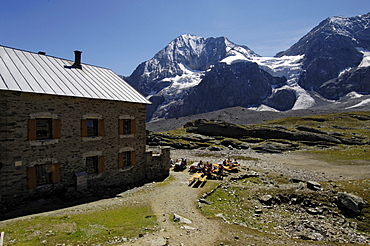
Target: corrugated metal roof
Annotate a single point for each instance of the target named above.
(37, 73)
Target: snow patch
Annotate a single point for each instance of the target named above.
(180, 86)
(235, 58)
(263, 107)
(363, 103)
(366, 59)
(304, 100)
(288, 66)
(291, 68)
(354, 94)
(344, 71)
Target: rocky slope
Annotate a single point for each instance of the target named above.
(289, 134)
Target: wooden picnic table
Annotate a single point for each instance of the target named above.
(196, 176)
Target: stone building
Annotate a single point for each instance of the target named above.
(67, 126)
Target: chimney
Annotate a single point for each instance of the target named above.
(42, 53)
(77, 63)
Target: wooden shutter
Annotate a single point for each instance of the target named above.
(101, 164)
(31, 173)
(120, 127)
(56, 128)
(120, 160)
(83, 128)
(133, 126)
(56, 173)
(133, 158)
(32, 129)
(101, 127)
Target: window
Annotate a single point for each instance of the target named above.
(126, 159)
(42, 174)
(43, 128)
(127, 126)
(92, 127)
(94, 164)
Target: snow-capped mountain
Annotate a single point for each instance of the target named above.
(170, 75)
(196, 75)
(334, 50)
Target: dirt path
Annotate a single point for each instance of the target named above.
(179, 198)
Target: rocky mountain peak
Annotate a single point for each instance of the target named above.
(193, 74)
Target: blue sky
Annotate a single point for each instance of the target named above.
(120, 34)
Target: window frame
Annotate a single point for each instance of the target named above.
(131, 122)
(53, 131)
(98, 126)
(92, 126)
(92, 167)
(51, 171)
(48, 128)
(126, 154)
(127, 126)
(99, 166)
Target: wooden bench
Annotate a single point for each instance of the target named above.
(204, 178)
(196, 176)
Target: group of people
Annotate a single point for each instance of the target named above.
(230, 163)
(179, 165)
(218, 169)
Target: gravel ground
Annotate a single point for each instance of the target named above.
(179, 198)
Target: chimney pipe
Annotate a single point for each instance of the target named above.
(77, 63)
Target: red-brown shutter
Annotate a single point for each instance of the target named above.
(133, 126)
(83, 128)
(31, 173)
(32, 129)
(56, 173)
(101, 164)
(133, 158)
(101, 127)
(56, 128)
(120, 160)
(120, 127)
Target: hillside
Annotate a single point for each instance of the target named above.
(337, 132)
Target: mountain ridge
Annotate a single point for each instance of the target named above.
(195, 75)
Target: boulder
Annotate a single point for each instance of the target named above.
(350, 203)
(266, 199)
(180, 219)
(312, 185)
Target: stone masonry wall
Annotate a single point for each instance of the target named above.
(18, 153)
(158, 164)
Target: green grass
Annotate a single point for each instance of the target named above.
(85, 228)
(343, 154)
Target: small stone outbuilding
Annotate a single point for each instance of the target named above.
(67, 126)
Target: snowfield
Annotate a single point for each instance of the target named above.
(179, 86)
(289, 67)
